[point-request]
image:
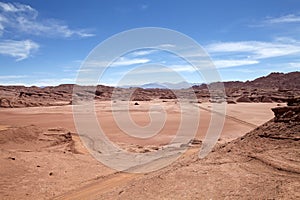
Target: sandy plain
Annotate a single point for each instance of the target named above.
(44, 166)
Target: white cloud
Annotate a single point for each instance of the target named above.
(15, 83)
(166, 46)
(144, 7)
(18, 49)
(291, 18)
(2, 21)
(20, 18)
(91, 65)
(233, 63)
(216, 63)
(164, 69)
(295, 65)
(148, 71)
(40, 82)
(16, 7)
(142, 52)
(256, 49)
(6, 77)
(125, 61)
(182, 68)
(53, 82)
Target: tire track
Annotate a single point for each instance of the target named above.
(228, 117)
(110, 182)
(101, 186)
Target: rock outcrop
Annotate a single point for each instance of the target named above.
(276, 87)
(290, 113)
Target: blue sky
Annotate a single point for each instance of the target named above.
(45, 42)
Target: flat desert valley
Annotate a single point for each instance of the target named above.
(256, 155)
(149, 100)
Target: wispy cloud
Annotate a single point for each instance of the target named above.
(291, 18)
(182, 68)
(18, 49)
(52, 82)
(144, 7)
(21, 18)
(221, 63)
(255, 49)
(156, 69)
(166, 46)
(15, 7)
(92, 65)
(126, 61)
(39, 82)
(6, 77)
(13, 79)
(295, 65)
(142, 52)
(233, 63)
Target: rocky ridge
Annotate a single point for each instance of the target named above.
(276, 87)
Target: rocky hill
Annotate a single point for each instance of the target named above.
(276, 87)
(277, 80)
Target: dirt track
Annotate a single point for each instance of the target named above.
(67, 172)
(121, 179)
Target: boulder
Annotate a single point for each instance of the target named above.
(230, 101)
(266, 99)
(244, 99)
(5, 103)
(287, 114)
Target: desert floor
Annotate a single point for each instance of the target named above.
(44, 163)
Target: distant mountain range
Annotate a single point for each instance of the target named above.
(276, 87)
(273, 80)
(165, 85)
